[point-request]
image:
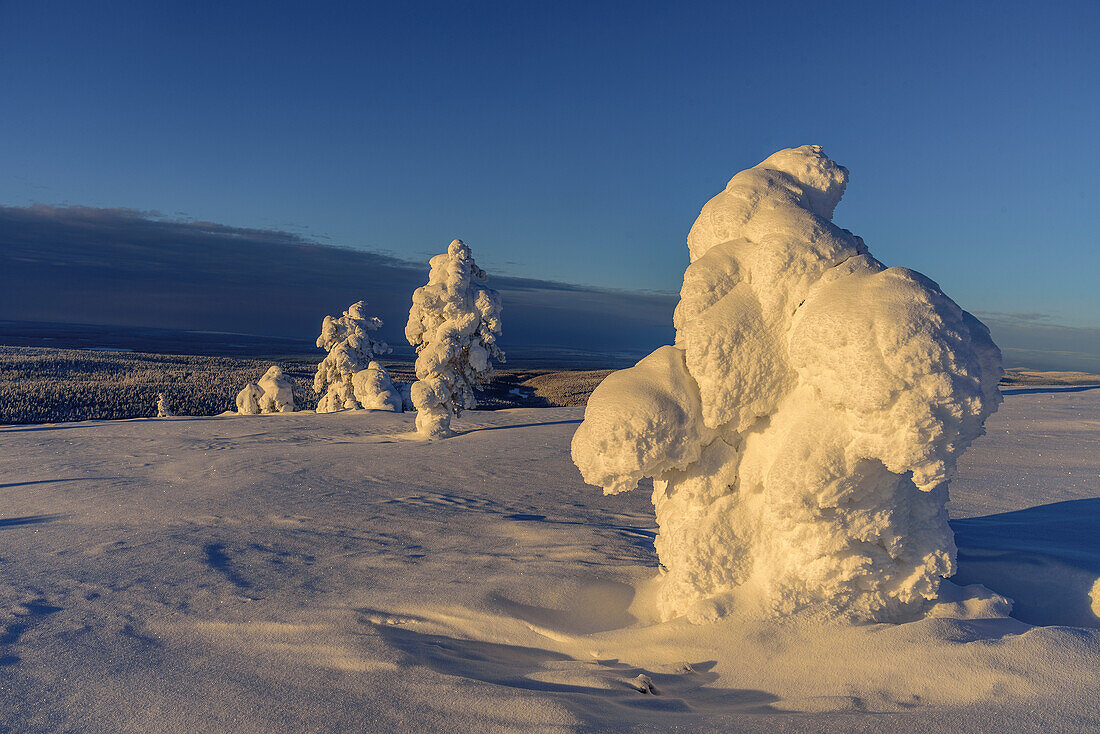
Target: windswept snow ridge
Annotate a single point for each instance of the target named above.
(454, 324)
(802, 430)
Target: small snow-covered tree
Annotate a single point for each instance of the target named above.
(248, 399)
(454, 323)
(374, 389)
(278, 395)
(350, 349)
(273, 394)
(163, 411)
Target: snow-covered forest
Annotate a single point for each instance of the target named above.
(43, 385)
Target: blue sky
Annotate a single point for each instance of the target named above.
(576, 141)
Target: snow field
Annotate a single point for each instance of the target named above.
(229, 574)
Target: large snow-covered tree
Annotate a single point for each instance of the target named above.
(802, 430)
(347, 338)
(454, 324)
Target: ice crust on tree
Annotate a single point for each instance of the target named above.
(802, 430)
(273, 394)
(454, 323)
(347, 338)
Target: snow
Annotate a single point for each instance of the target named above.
(454, 323)
(273, 394)
(374, 389)
(248, 399)
(231, 574)
(802, 431)
(278, 393)
(350, 349)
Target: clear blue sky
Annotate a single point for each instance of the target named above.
(576, 141)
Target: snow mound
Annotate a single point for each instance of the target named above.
(454, 323)
(802, 430)
(350, 350)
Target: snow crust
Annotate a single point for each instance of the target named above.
(273, 394)
(347, 338)
(802, 430)
(454, 323)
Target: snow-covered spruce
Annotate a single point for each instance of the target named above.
(802, 430)
(248, 399)
(350, 350)
(375, 390)
(454, 323)
(163, 411)
(278, 394)
(273, 394)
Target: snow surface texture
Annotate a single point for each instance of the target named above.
(351, 350)
(273, 394)
(802, 430)
(454, 324)
(230, 574)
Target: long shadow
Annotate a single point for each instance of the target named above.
(55, 481)
(593, 688)
(519, 425)
(1051, 389)
(18, 428)
(93, 422)
(10, 522)
(1045, 558)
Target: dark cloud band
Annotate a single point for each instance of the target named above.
(119, 266)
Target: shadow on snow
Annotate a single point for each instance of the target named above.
(1045, 558)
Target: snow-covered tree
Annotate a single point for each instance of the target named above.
(375, 390)
(278, 394)
(350, 349)
(163, 411)
(802, 431)
(273, 394)
(454, 323)
(248, 399)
